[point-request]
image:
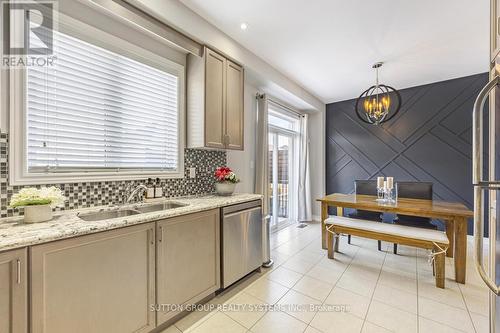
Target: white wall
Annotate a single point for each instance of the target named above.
(96, 18)
(243, 162)
(177, 15)
(259, 76)
(317, 159)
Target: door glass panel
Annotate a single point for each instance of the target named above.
(283, 167)
(280, 172)
(283, 176)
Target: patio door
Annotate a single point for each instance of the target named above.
(282, 167)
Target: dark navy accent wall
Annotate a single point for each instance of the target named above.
(428, 140)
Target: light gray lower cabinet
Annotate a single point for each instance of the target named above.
(187, 261)
(13, 292)
(99, 283)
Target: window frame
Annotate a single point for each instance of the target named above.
(279, 111)
(18, 165)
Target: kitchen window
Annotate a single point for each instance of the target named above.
(99, 114)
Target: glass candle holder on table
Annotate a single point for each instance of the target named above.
(389, 196)
(380, 194)
(380, 189)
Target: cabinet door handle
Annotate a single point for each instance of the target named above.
(18, 274)
(160, 237)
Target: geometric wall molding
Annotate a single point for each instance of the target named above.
(428, 140)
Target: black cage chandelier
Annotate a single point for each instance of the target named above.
(379, 103)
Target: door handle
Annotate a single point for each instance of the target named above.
(477, 135)
(478, 239)
(481, 185)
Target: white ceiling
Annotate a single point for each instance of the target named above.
(328, 46)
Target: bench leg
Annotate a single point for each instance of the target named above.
(439, 269)
(329, 244)
(333, 245)
(324, 216)
(395, 248)
(379, 244)
(348, 239)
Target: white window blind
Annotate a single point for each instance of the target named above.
(98, 110)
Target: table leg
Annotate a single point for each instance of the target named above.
(324, 216)
(460, 252)
(450, 233)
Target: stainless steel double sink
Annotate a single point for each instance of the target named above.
(128, 211)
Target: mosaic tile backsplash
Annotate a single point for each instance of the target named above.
(88, 194)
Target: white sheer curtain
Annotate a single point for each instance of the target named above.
(261, 153)
(261, 174)
(304, 182)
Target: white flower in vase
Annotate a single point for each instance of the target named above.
(38, 203)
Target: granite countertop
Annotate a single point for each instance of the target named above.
(66, 224)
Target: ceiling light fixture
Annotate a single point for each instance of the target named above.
(243, 26)
(379, 103)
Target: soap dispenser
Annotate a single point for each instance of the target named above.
(158, 189)
(150, 193)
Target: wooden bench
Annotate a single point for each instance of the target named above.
(423, 238)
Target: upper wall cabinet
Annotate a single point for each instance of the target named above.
(215, 102)
(495, 29)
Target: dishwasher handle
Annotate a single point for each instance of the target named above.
(242, 212)
(241, 207)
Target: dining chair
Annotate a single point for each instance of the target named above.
(414, 190)
(367, 187)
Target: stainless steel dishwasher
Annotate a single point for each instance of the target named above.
(241, 241)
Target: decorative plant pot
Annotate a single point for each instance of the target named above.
(37, 213)
(225, 189)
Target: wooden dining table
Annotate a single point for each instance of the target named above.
(453, 214)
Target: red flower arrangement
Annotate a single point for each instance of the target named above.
(225, 174)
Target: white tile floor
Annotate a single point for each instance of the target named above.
(365, 290)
